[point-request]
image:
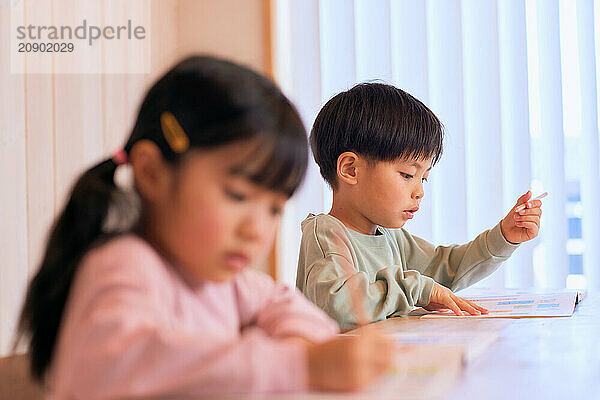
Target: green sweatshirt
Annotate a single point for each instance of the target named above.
(390, 272)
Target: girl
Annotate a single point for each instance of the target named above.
(162, 302)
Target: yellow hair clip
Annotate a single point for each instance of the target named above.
(174, 133)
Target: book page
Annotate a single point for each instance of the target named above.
(521, 304)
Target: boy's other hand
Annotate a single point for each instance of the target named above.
(524, 225)
(442, 298)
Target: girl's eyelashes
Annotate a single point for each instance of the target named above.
(238, 196)
(424, 180)
(235, 195)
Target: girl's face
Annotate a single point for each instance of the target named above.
(211, 223)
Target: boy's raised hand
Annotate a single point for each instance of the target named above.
(524, 225)
(442, 298)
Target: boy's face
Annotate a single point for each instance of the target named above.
(390, 192)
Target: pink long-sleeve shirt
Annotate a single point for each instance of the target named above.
(133, 327)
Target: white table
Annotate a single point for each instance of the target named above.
(533, 358)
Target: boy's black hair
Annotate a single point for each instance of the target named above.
(378, 122)
(214, 102)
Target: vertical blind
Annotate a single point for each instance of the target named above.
(515, 85)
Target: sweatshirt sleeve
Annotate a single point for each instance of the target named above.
(279, 310)
(457, 266)
(329, 277)
(336, 286)
(116, 342)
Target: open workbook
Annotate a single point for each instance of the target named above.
(517, 303)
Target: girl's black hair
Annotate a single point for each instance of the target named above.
(215, 102)
(377, 121)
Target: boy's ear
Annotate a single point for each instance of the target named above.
(152, 174)
(347, 167)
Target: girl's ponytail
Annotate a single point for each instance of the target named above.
(81, 224)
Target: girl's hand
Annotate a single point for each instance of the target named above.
(350, 363)
(442, 298)
(518, 227)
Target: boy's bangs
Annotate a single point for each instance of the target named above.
(423, 147)
(418, 137)
(276, 162)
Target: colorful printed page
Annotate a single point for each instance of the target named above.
(474, 292)
(519, 304)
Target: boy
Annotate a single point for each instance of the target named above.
(375, 145)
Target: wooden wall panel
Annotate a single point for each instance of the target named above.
(164, 25)
(121, 92)
(114, 86)
(78, 104)
(13, 181)
(39, 101)
(232, 29)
